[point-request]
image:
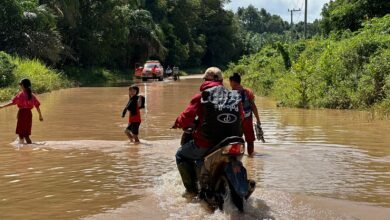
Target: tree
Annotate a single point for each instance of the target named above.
(222, 40)
(350, 14)
(11, 21)
(261, 21)
(29, 29)
(144, 35)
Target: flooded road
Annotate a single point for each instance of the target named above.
(316, 164)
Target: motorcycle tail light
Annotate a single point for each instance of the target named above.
(233, 149)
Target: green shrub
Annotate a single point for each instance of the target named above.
(372, 85)
(6, 68)
(7, 93)
(261, 70)
(348, 71)
(43, 78)
(383, 107)
(97, 76)
(286, 90)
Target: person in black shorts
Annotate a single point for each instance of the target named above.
(133, 107)
(133, 128)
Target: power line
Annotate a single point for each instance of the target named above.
(292, 11)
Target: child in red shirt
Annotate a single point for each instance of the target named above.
(133, 106)
(25, 101)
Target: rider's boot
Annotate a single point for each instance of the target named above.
(252, 186)
(188, 176)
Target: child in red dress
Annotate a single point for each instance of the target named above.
(25, 101)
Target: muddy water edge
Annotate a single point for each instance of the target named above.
(316, 164)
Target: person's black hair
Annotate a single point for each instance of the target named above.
(26, 83)
(136, 88)
(235, 78)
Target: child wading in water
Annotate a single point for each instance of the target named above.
(133, 106)
(25, 101)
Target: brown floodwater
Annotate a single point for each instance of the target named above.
(316, 164)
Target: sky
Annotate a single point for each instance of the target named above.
(280, 7)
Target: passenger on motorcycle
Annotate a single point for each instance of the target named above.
(196, 149)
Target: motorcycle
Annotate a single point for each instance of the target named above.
(175, 73)
(221, 176)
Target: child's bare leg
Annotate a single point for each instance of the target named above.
(136, 140)
(127, 132)
(28, 140)
(250, 148)
(21, 139)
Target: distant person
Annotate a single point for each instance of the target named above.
(176, 73)
(133, 107)
(138, 70)
(168, 71)
(155, 69)
(250, 108)
(25, 101)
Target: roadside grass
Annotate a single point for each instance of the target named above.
(43, 78)
(46, 79)
(97, 76)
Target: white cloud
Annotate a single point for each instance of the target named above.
(280, 7)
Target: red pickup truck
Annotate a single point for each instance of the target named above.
(152, 69)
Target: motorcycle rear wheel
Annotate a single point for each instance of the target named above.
(226, 192)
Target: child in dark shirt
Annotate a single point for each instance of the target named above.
(133, 107)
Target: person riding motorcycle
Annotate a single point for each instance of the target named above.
(196, 148)
(175, 73)
(168, 71)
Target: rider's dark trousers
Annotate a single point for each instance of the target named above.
(185, 157)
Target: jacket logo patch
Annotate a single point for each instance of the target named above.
(227, 118)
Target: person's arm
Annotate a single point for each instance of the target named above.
(259, 130)
(39, 112)
(6, 105)
(255, 111)
(187, 117)
(36, 105)
(125, 109)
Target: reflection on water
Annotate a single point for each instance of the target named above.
(309, 154)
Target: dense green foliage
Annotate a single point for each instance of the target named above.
(259, 28)
(344, 63)
(119, 34)
(260, 21)
(340, 15)
(29, 29)
(343, 71)
(97, 76)
(43, 79)
(6, 68)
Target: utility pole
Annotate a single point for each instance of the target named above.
(292, 11)
(305, 17)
